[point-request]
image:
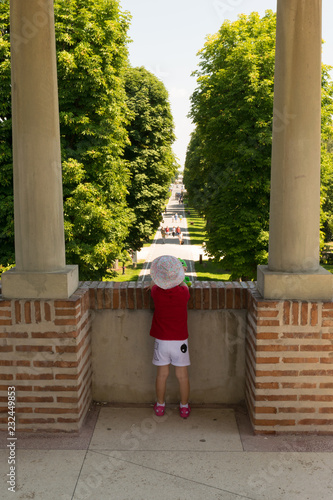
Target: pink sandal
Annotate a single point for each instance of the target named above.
(185, 412)
(159, 410)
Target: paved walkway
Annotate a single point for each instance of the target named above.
(129, 454)
(170, 246)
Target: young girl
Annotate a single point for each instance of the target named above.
(169, 328)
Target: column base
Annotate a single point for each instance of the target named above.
(37, 285)
(295, 286)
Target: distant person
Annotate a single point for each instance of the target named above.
(163, 234)
(169, 292)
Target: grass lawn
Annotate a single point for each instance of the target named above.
(195, 226)
(131, 273)
(211, 271)
(207, 271)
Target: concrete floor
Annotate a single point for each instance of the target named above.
(129, 453)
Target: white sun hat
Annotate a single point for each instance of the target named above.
(167, 272)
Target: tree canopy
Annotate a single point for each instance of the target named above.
(149, 155)
(227, 168)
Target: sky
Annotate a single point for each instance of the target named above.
(167, 35)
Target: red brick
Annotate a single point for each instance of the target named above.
(27, 312)
(314, 314)
(116, 296)
(311, 397)
(198, 297)
(130, 297)
(277, 348)
(301, 335)
(47, 311)
(35, 399)
(38, 315)
(304, 313)
(14, 363)
(34, 348)
(56, 410)
(268, 322)
(238, 296)
(317, 348)
(108, 296)
(6, 348)
(17, 311)
(5, 303)
(54, 335)
(315, 421)
(267, 385)
(294, 312)
(286, 313)
(297, 385)
(57, 388)
(300, 360)
(272, 423)
(316, 373)
(206, 297)
(123, 295)
(14, 335)
(267, 360)
(277, 373)
(36, 420)
(5, 314)
(5, 322)
(296, 410)
(67, 400)
(65, 312)
(265, 409)
(267, 336)
(222, 297)
(230, 294)
(28, 376)
(66, 322)
(214, 296)
(277, 397)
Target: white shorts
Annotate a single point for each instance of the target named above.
(171, 351)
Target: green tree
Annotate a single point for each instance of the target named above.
(232, 109)
(227, 168)
(327, 155)
(6, 161)
(92, 57)
(149, 154)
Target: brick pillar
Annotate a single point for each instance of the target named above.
(46, 355)
(289, 380)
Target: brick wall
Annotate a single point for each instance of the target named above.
(290, 365)
(45, 353)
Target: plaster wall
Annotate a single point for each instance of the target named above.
(122, 357)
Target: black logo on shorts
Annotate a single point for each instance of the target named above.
(183, 348)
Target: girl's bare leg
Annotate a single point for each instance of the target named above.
(184, 383)
(161, 379)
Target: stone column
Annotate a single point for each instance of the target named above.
(293, 270)
(41, 269)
